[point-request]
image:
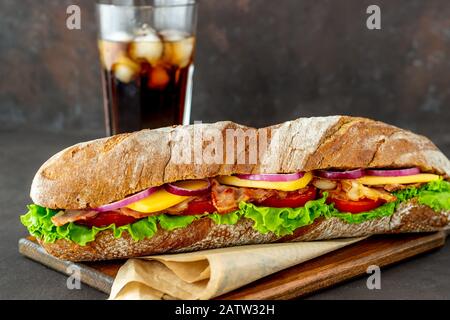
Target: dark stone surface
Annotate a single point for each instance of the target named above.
(258, 62)
(21, 154)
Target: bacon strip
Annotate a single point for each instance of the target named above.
(226, 199)
(67, 216)
(395, 187)
(136, 214)
(352, 190)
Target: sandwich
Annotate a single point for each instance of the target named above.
(205, 186)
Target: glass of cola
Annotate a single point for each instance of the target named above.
(147, 58)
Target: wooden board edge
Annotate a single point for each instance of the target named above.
(351, 269)
(88, 275)
(359, 267)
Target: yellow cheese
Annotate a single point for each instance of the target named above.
(283, 186)
(161, 199)
(416, 178)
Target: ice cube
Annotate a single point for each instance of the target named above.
(159, 78)
(125, 69)
(123, 73)
(112, 46)
(144, 30)
(110, 52)
(179, 52)
(148, 47)
(171, 35)
(178, 47)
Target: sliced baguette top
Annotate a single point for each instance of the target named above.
(101, 171)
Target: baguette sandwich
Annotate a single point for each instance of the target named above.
(205, 186)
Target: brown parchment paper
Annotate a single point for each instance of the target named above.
(211, 273)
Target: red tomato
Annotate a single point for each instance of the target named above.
(106, 218)
(199, 206)
(361, 205)
(294, 199)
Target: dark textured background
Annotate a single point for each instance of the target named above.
(258, 62)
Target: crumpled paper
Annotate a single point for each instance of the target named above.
(211, 273)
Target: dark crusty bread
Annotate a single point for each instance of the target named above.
(102, 171)
(205, 234)
(98, 172)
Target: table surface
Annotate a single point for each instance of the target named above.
(22, 152)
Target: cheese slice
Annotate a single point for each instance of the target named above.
(161, 199)
(416, 178)
(283, 186)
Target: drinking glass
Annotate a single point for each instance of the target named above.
(147, 58)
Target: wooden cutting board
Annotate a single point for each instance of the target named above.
(300, 280)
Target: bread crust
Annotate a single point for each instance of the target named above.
(102, 171)
(205, 234)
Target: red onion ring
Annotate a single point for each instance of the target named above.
(123, 203)
(392, 172)
(272, 177)
(351, 174)
(179, 191)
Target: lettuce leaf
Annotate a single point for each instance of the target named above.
(437, 202)
(229, 218)
(435, 195)
(281, 221)
(39, 224)
(437, 186)
(174, 222)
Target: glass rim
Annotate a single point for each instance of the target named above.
(189, 3)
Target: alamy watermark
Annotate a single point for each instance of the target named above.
(73, 21)
(374, 280)
(73, 282)
(373, 22)
(208, 144)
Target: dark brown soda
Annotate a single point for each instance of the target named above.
(153, 97)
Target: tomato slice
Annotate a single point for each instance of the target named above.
(104, 219)
(199, 206)
(361, 205)
(294, 199)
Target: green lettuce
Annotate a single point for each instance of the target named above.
(281, 221)
(175, 222)
(39, 224)
(229, 218)
(435, 195)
